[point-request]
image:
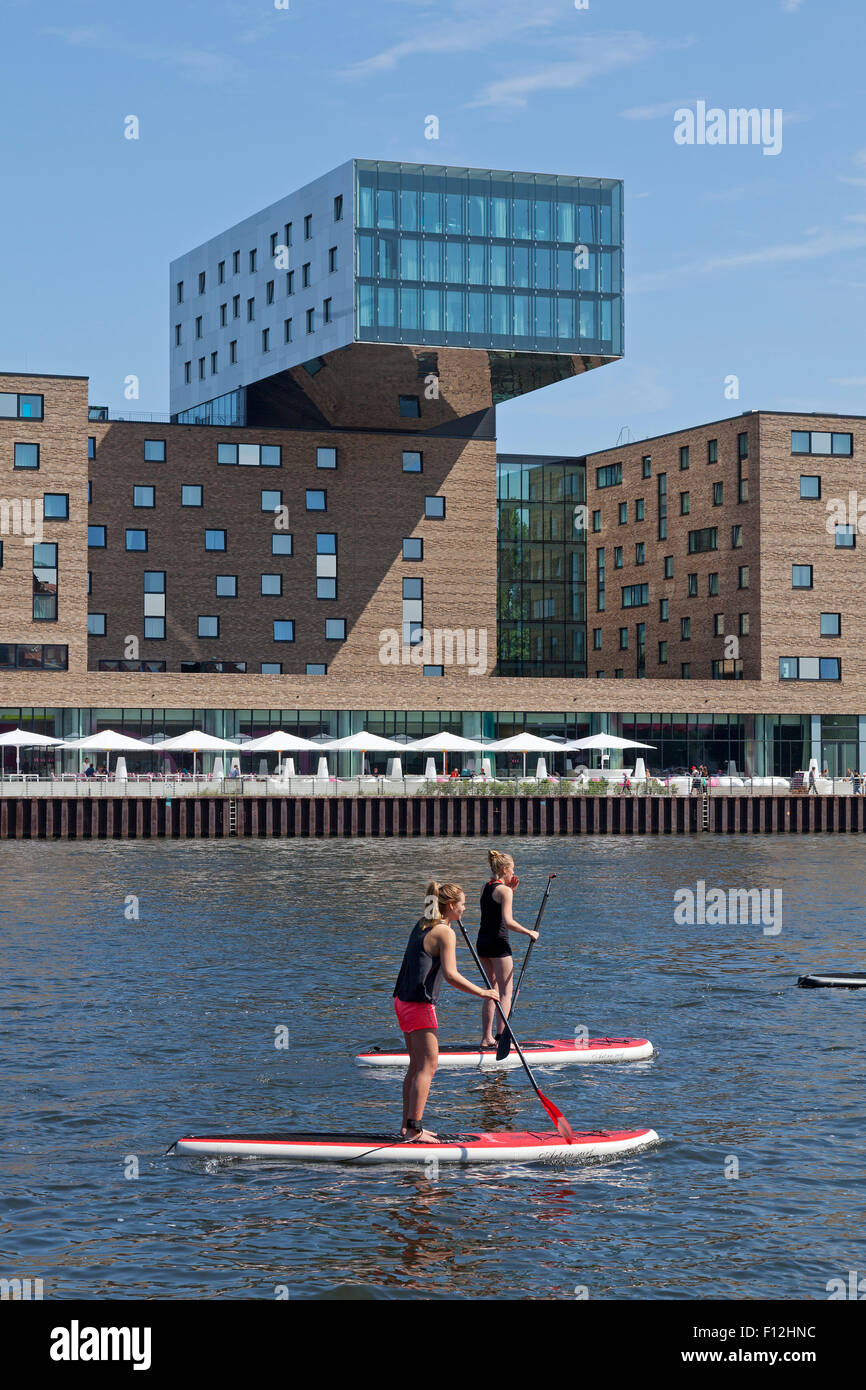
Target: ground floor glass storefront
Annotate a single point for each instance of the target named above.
(755, 745)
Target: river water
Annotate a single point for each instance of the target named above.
(120, 1032)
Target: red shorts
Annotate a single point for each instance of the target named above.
(411, 1017)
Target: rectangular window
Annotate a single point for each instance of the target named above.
(596, 639)
(801, 576)
(198, 332)
(623, 639)
(638, 509)
(287, 330)
(287, 233)
(224, 315)
(718, 494)
(599, 573)
(712, 451)
(646, 464)
(221, 273)
(635, 596)
(821, 442)
(154, 451)
(202, 281)
(143, 496)
(640, 553)
(718, 624)
(233, 352)
(846, 537)
(326, 311)
(608, 476)
(45, 582)
(623, 513)
(326, 458)
(274, 668)
(685, 503)
(236, 306)
(596, 521)
(290, 282)
(685, 629)
(617, 557)
(25, 456)
(743, 577)
(251, 310)
(96, 537)
(684, 456)
(136, 539)
(712, 584)
(413, 548)
(831, 624)
(214, 540)
(305, 275)
(736, 537)
(187, 372)
(410, 407)
(705, 539)
(433, 671)
(693, 585)
(177, 335)
(335, 629)
(663, 653)
(266, 340)
(308, 226)
(664, 609)
(744, 624)
(311, 320)
(332, 259)
(742, 446)
(663, 506)
(236, 262)
(213, 363)
(209, 626)
(434, 508)
(269, 292)
(338, 208)
(253, 259)
(226, 586)
(412, 461)
(191, 495)
(669, 567)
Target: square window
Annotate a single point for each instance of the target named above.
(272, 584)
(154, 605)
(191, 495)
(413, 588)
(829, 668)
(26, 456)
(412, 461)
(326, 458)
(271, 456)
(96, 624)
(434, 508)
(96, 537)
(326, 588)
(413, 548)
(154, 450)
(154, 629)
(143, 496)
(810, 486)
(281, 544)
(55, 506)
(410, 407)
(284, 630)
(801, 442)
(154, 581)
(316, 500)
(209, 626)
(846, 537)
(226, 586)
(801, 576)
(136, 540)
(271, 499)
(831, 624)
(214, 540)
(326, 543)
(335, 629)
(227, 453)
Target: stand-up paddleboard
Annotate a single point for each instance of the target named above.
(834, 979)
(515, 1146)
(548, 1052)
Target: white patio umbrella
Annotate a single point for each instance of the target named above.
(605, 742)
(363, 742)
(109, 741)
(446, 743)
(20, 738)
(279, 743)
(197, 741)
(525, 743)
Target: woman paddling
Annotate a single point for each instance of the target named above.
(497, 920)
(430, 956)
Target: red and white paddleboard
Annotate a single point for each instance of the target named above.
(556, 1052)
(516, 1146)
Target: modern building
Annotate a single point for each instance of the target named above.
(322, 537)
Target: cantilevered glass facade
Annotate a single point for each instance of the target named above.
(480, 258)
(541, 562)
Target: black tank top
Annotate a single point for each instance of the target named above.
(420, 978)
(491, 932)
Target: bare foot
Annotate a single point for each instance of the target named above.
(489, 1042)
(419, 1136)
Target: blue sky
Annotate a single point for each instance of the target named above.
(737, 263)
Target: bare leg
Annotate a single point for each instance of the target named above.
(499, 971)
(423, 1047)
(488, 1008)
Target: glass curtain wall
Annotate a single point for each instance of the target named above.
(541, 563)
(481, 258)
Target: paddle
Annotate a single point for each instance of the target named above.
(561, 1123)
(504, 1047)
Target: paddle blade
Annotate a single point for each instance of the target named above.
(562, 1125)
(504, 1046)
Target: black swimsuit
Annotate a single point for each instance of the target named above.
(492, 936)
(420, 978)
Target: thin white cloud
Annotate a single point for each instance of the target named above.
(203, 64)
(591, 57)
(453, 34)
(792, 6)
(826, 244)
